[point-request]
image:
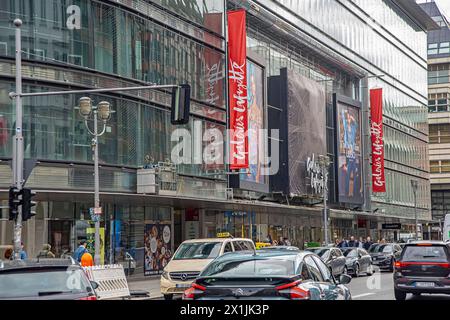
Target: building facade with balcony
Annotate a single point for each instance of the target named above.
(346, 46)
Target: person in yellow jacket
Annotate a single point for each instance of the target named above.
(87, 260)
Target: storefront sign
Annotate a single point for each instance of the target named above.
(237, 77)
(376, 129)
(391, 226)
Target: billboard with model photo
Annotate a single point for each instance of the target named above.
(255, 94)
(349, 151)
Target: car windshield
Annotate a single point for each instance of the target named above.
(198, 250)
(323, 253)
(350, 253)
(381, 248)
(251, 267)
(31, 283)
(425, 253)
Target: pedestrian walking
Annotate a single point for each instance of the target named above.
(367, 244)
(80, 251)
(353, 243)
(23, 253)
(87, 260)
(360, 242)
(343, 243)
(269, 239)
(286, 242)
(336, 242)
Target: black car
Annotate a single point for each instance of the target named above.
(44, 279)
(333, 258)
(384, 255)
(277, 275)
(357, 261)
(424, 267)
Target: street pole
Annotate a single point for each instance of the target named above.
(18, 141)
(324, 162)
(415, 214)
(97, 190)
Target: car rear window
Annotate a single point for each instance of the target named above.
(425, 253)
(251, 267)
(31, 283)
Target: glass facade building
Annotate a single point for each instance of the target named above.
(99, 44)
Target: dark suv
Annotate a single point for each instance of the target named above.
(424, 267)
(45, 279)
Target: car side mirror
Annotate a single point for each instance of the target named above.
(345, 279)
(94, 285)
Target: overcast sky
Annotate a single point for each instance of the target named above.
(444, 5)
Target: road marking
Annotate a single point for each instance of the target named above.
(363, 295)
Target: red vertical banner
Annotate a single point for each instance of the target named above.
(237, 83)
(376, 130)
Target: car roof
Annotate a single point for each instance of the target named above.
(36, 263)
(428, 241)
(288, 254)
(215, 240)
(293, 248)
(322, 248)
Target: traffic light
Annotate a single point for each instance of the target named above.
(14, 202)
(181, 103)
(28, 204)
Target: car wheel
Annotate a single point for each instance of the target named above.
(356, 274)
(168, 297)
(391, 267)
(399, 295)
(370, 270)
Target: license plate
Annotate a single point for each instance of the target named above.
(425, 284)
(182, 285)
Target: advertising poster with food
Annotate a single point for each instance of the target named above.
(158, 248)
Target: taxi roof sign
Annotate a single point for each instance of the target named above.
(224, 235)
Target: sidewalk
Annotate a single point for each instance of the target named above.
(146, 284)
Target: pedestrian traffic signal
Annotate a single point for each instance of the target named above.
(181, 103)
(28, 204)
(14, 202)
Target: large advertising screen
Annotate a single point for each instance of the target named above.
(158, 248)
(349, 152)
(256, 123)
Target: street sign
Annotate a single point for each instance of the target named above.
(391, 226)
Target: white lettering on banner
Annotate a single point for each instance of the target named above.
(74, 19)
(213, 75)
(377, 150)
(238, 133)
(318, 180)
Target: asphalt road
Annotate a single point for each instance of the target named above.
(380, 286)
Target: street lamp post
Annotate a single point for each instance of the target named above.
(324, 162)
(102, 110)
(414, 186)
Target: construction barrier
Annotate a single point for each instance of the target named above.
(111, 280)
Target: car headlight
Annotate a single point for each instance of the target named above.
(165, 275)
